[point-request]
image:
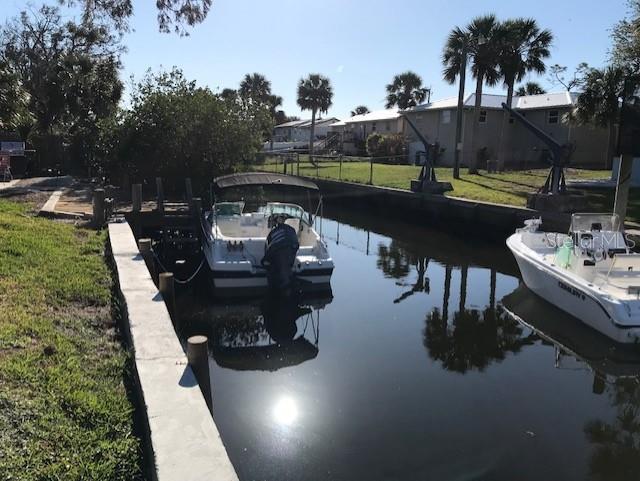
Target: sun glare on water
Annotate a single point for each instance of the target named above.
(285, 412)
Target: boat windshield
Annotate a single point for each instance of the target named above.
(229, 208)
(594, 222)
(290, 210)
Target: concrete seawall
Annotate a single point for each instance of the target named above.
(182, 438)
(498, 218)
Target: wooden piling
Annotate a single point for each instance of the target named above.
(189, 190)
(198, 357)
(98, 207)
(136, 197)
(166, 286)
(160, 194)
(144, 246)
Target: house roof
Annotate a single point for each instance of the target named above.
(306, 123)
(493, 101)
(388, 114)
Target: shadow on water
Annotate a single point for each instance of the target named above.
(434, 363)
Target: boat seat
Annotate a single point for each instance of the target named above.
(624, 265)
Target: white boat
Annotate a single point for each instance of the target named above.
(589, 273)
(271, 245)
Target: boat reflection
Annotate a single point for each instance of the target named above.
(616, 375)
(266, 335)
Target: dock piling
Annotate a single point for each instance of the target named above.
(167, 287)
(198, 358)
(189, 190)
(98, 207)
(136, 197)
(160, 194)
(144, 246)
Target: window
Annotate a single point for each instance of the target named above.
(553, 116)
(388, 126)
(373, 127)
(483, 117)
(445, 116)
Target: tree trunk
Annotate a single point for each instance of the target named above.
(611, 145)
(459, 115)
(312, 135)
(473, 163)
(505, 131)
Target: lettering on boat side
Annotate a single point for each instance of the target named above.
(571, 290)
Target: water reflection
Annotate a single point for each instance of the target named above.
(615, 441)
(263, 335)
(285, 411)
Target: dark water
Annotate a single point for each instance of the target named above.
(417, 369)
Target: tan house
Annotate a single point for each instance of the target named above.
(437, 122)
(356, 129)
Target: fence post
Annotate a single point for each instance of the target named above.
(298, 161)
(371, 171)
(136, 197)
(198, 358)
(340, 168)
(160, 194)
(98, 207)
(317, 166)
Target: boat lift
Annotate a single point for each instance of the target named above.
(560, 155)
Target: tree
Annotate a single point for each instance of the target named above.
(530, 88)
(523, 50)
(314, 93)
(406, 90)
(175, 128)
(12, 98)
(255, 88)
(454, 59)
(69, 75)
(626, 39)
(360, 110)
(172, 14)
(557, 75)
(599, 102)
(229, 95)
(484, 52)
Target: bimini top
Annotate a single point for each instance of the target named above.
(261, 178)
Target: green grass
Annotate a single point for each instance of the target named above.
(64, 411)
(509, 188)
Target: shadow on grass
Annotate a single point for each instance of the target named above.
(509, 181)
(517, 193)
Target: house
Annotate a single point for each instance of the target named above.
(13, 153)
(357, 128)
(299, 130)
(437, 122)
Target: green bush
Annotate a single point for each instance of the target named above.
(388, 147)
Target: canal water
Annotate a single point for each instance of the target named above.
(428, 361)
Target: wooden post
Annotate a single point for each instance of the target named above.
(144, 246)
(371, 171)
(166, 286)
(136, 197)
(160, 194)
(198, 358)
(189, 190)
(311, 158)
(298, 161)
(98, 207)
(622, 187)
(197, 216)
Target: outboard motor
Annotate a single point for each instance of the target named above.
(282, 246)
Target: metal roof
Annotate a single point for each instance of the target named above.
(494, 101)
(387, 114)
(261, 178)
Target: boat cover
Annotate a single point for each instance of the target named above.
(261, 178)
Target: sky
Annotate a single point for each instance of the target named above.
(359, 44)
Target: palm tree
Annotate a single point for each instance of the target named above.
(599, 102)
(255, 88)
(315, 94)
(484, 51)
(454, 59)
(406, 91)
(360, 110)
(530, 88)
(524, 48)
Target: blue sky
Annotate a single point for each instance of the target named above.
(358, 44)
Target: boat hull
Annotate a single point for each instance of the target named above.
(250, 283)
(596, 312)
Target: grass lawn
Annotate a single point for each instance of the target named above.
(504, 188)
(64, 410)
